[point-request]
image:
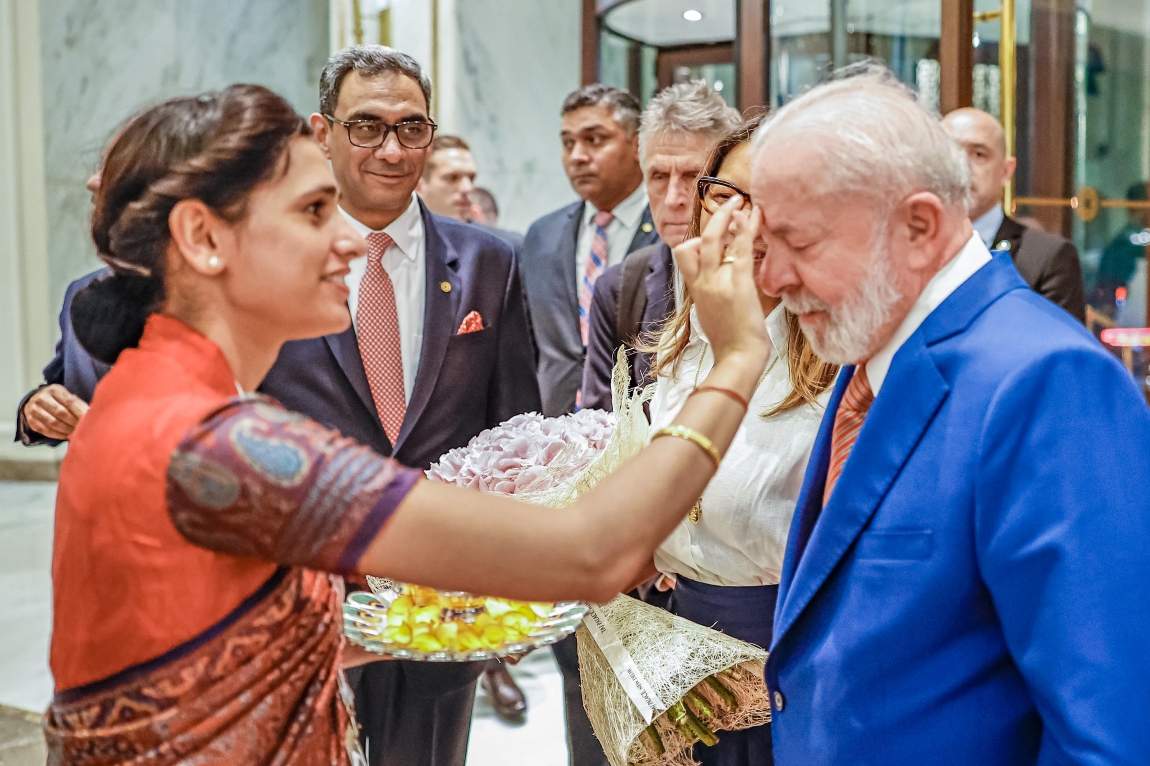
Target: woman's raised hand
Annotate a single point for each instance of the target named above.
(718, 270)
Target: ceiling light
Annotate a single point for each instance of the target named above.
(692, 15)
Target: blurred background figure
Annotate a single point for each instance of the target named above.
(1049, 263)
(634, 297)
(448, 178)
(484, 208)
(566, 251)
(1121, 282)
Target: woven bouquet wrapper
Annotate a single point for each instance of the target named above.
(673, 655)
(551, 462)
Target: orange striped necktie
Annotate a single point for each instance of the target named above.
(377, 331)
(852, 412)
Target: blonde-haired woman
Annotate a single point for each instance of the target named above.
(727, 555)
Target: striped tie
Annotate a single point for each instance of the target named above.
(852, 412)
(377, 331)
(596, 265)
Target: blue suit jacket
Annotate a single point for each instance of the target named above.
(71, 367)
(977, 589)
(548, 265)
(465, 383)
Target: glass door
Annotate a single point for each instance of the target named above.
(1098, 80)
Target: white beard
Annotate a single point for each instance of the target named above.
(847, 336)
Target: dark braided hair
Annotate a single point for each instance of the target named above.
(216, 148)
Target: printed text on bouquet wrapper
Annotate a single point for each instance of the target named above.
(623, 665)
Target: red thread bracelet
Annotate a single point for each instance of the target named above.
(725, 392)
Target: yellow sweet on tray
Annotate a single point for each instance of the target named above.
(426, 620)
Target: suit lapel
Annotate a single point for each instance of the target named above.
(645, 234)
(1009, 231)
(810, 500)
(569, 291)
(345, 348)
(907, 404)
(914, 392)
(439, 320)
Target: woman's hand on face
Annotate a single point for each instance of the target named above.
(718, 270)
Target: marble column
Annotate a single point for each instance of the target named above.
(104, 61)
(25, 316)
(516, 60)
(90, 66)
(501, 69)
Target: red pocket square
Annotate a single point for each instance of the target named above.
(471, 323)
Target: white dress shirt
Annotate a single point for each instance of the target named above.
(972, 257)
(406, 265)
(747, 508)
(988, 224)
(628, 215)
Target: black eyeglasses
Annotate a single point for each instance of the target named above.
(715, 192)
(369, 134)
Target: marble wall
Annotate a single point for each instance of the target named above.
(512, 63)
(103, 61)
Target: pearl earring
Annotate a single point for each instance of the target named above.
(214, 261)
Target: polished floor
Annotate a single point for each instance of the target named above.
(26, 685)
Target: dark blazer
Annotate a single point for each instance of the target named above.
(420, 712)
(975, 588)
(465, 383)
(548, 266)
(71, 367)
(603, 336)
(1049, 264)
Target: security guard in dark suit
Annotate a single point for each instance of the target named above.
(1049, 263)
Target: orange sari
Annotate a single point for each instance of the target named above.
(194, 619)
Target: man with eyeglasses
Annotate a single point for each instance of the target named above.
(439, 350)
(678, 128)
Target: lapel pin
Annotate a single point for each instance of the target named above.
(647, 228)
(445, 286)
(1003, 245)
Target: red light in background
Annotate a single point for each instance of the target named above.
(1120, 294)
(1127, 337)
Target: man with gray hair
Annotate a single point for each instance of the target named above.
(678, 128)
(967, 575)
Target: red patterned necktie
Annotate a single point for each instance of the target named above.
(852, 412)
(596, 265)
(377, 324)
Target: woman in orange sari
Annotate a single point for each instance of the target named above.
(199, 527)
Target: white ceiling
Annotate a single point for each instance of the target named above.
(661, 22)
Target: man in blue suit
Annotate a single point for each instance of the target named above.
(967, 577)
(439, 350)
(567, 250)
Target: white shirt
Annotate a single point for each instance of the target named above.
(972, 257)
(406, 265)
(988, 224)
(628, 215)
(747, 508)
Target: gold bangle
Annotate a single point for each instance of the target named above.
(693, 436)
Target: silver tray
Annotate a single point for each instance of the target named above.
(365, 617)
